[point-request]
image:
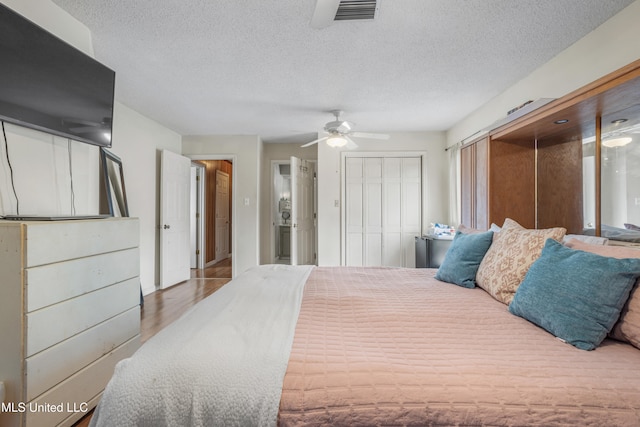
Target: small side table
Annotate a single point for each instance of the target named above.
(430, 250)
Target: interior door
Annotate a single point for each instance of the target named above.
(302, 212)
(175, 183)
(364, 211)
(222, 215)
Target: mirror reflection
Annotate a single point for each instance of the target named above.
(620, 176)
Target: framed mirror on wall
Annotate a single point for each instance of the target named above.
(113, 198)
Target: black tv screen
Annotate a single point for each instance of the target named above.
(49, 85)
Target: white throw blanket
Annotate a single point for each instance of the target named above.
(221, 364)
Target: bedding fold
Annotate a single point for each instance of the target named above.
(222, 363)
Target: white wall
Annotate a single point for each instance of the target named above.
(40, 161)
(609, 47)
(57, 21)
(246, 153)
(138, 141)
(435, 205)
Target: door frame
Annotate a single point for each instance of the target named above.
(343, 189)
(200, 194)
(234, 160)
(274, 207)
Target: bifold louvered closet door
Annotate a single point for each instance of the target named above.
(383, 210)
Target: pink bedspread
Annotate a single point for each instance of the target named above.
(397, 347)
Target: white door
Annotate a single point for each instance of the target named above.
(175, 177)
(402, 216)
(302, 212)
(364, 211)
(383, 210)
(222, 215)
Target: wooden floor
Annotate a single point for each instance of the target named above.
(166, 305)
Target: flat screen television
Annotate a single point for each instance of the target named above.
(49, 85)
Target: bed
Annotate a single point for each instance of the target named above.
(628, 234)
(289, 346)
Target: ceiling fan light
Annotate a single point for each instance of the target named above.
(617, 142)
(336, 141)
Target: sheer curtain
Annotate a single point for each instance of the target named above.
(454, 184)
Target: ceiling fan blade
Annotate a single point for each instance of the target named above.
(350, 144)
(370, 135)
(308, 144)
(324, 13)
(345, 127)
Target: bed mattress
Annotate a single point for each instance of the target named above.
(396, 347)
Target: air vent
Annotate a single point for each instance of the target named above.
(350, 10)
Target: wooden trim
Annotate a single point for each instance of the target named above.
(585, 93)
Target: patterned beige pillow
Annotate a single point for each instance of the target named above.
(508, 259)
(509, 223)
(628, 327)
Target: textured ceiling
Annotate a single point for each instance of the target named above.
(257, 67)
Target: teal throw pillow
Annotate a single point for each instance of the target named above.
(575, 295)
(463, 258)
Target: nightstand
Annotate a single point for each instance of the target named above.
(430, 250)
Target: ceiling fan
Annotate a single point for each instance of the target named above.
(340, 132)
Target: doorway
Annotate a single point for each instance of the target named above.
(281, 212)
(293, 212)
(216, 217)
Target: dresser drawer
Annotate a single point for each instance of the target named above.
(49, 242)
(58, 322)
(52, 283)
(55, 364)
(83, 386)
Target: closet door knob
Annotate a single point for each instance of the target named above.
(166, 226)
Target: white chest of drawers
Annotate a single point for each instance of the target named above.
(69, 311)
